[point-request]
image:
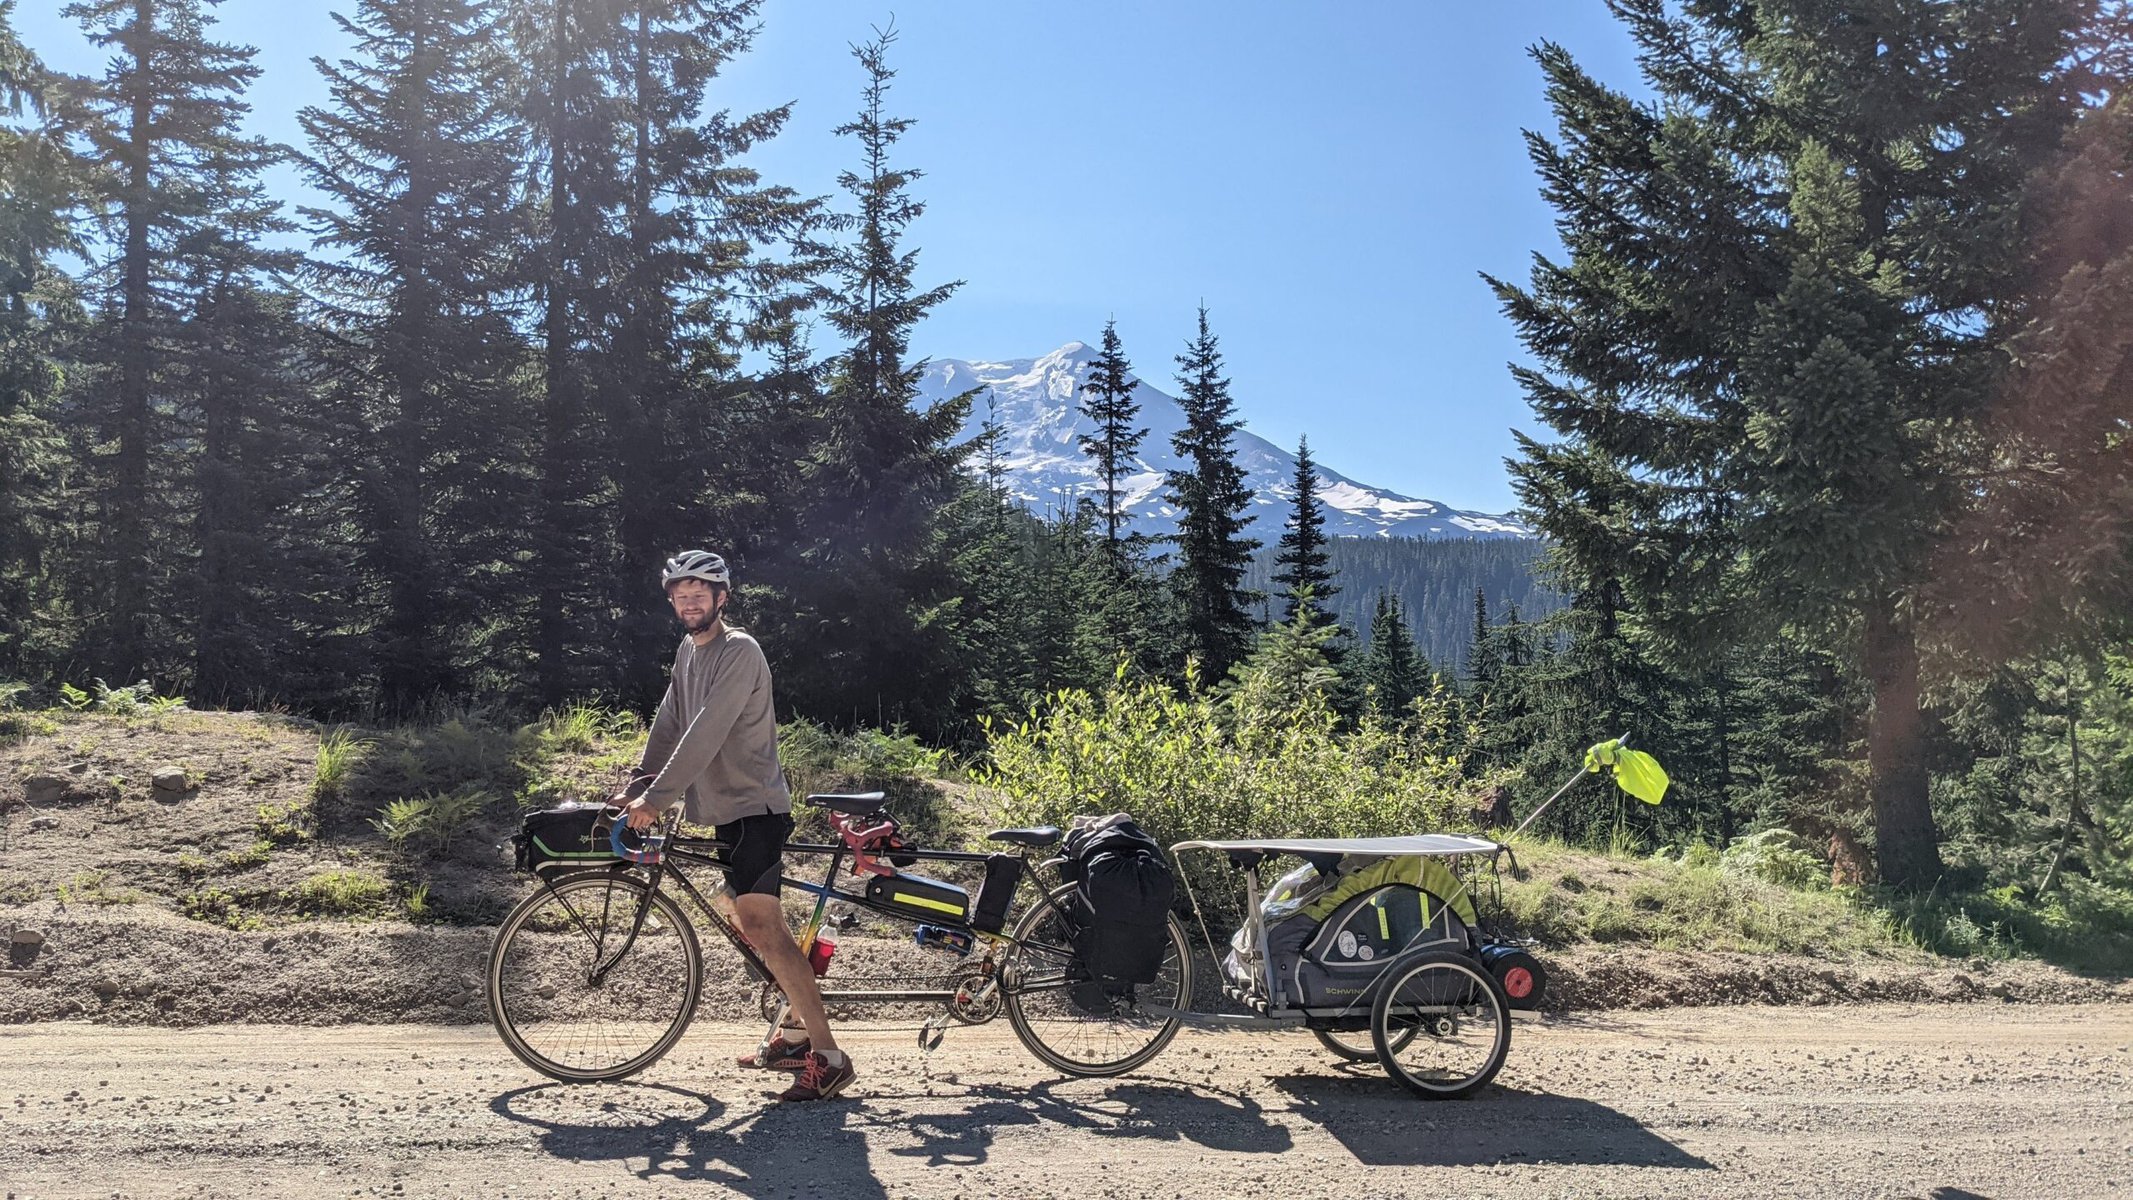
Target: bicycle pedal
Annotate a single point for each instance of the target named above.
(930, 1037)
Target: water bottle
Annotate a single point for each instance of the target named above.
(933, 937)
(823, 948)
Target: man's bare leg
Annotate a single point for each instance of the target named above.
(764, 923)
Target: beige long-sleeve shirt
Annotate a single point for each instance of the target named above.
(714, 744)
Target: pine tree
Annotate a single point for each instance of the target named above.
(1305, 575)
(419, 155)
(1107, 400)
(1211, 497)
(182, 188)
(869, 589)
(1390, 669)
(1483, 660)
(694, 440)
(575, 122)
(40, 191)
(1800, 254)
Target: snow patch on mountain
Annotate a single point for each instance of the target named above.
(1037, 402)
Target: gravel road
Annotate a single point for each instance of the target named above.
(1939, 1101)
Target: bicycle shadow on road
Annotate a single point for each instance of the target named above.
(657, 1131)
(1385, 1125)
(1169, 1111)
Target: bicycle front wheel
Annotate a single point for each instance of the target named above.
(1079, 1026)
(559, 1011)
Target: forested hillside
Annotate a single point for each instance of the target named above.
(1435, 580)
(1829, 374)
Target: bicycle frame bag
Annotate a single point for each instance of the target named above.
(1002, 873)
(920, 897)
(557, 839)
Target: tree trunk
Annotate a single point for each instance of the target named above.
(552, 541)
(1906, 844)
(409, 664)
(218, 487)
(129, 511)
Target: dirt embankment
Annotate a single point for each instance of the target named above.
(239, 895)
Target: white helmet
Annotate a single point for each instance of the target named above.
(696, 564)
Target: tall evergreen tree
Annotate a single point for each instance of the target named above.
(1306, 574)
(696, 285)
(40, 185)
(1391, 669)
(1483, 660)
(869, 590)
(1107, 400)
(575, 122)
(1211, 497)
(419, 156)
(181, 185)
(1769, 350)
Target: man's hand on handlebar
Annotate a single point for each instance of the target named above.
(636, 813)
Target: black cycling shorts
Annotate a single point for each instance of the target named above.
(755, 854)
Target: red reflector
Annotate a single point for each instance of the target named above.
(1518, 983)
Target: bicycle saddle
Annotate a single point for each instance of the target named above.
(1040, 835)
(858, 804)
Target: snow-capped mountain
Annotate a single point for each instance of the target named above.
(1039, 410)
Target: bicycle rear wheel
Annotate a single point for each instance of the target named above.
(565, 1020)
(1078, 1027)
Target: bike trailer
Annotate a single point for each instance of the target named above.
(1330, 935)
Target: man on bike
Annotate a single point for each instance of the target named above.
(714, 749)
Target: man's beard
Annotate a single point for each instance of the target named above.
(692, 628)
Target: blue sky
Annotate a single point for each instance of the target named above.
(1328, 178)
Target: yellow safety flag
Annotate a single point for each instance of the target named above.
(1635, 772)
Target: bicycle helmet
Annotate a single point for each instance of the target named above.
(696, 564)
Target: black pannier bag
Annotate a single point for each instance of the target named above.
(555, 839)
(1002, 873)
(1126, 887)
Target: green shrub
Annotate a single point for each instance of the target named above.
(287, 823)
(128, 701)
(218, 906)
(341, 893)
(580, 728)
(193, 866)
(92, 887)
(254, 855)
(426, 824)
(1267, 763)
(1777, 856)
(339, 754)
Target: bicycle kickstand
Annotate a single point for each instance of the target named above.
(931, 1034)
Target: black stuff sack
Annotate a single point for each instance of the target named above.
(1125, 891)
(557, 839)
